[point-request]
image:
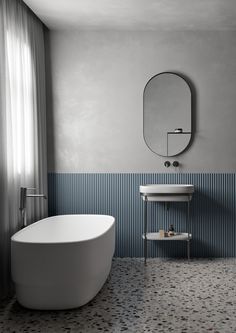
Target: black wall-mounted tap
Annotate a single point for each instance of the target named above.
(175, 164)
(167, 164)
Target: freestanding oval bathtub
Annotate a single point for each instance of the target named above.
(62, 262)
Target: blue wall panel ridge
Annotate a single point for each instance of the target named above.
(117, 194)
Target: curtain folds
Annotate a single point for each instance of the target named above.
(22, 122)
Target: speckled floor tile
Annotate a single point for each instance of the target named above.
(164, 296)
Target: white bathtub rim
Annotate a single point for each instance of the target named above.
(62, 242)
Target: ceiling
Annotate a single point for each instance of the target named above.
(136, 14)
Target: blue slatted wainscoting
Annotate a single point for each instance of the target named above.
(212, 209)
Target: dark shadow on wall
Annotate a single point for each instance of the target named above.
(49, 103)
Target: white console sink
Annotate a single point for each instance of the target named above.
(167, 192)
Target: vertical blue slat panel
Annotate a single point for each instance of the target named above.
(212, 210)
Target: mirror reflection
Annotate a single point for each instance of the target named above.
(167, 114)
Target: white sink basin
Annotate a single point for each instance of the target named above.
(167, 188)
(167, 192)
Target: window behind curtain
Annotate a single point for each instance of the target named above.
(20, 103)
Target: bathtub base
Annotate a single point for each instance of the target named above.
(58, 297)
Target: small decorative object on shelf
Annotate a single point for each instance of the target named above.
(171, 231)
(163, 233)
(178, 130)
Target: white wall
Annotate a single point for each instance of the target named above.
(95, 112)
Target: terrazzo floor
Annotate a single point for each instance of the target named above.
(164, 296)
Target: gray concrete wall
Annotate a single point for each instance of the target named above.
(95, 107)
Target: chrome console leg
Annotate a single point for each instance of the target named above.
(188, 249)
(145, 230)
(188, 225)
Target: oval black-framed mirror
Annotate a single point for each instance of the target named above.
(167, 114)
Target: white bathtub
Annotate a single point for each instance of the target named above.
(62, 262)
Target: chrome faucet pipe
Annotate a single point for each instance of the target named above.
(36, 195)
(23, 196)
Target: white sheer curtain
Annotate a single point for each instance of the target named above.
(22, 122)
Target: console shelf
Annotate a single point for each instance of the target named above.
(181, 236)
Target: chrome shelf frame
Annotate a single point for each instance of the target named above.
(187, 199)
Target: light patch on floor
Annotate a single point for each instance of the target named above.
(164, 296)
